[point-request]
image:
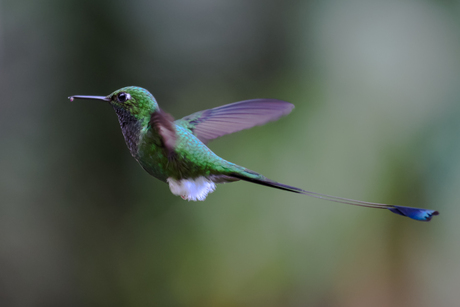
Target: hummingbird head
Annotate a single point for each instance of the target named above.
(137, 101)
(134, 107)
(131, 100)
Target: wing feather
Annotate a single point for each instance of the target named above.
(164, 124)
(213, 123)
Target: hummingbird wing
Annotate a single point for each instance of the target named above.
(213, 123)
(164, 123)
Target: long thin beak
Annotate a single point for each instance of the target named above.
(89, 97)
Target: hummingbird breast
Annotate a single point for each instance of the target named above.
(191, 158)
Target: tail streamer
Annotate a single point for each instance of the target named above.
(413, 213)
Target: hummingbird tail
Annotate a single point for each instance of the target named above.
(413, 213)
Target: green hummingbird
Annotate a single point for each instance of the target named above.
(175, 152)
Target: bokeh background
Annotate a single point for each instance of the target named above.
(376, 89)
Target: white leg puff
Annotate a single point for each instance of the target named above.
(192, 189)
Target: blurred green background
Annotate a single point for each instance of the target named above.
(376, 89)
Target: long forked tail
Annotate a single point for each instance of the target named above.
(413, 213)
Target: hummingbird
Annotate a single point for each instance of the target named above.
(176, 151)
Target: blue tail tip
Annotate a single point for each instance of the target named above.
(418, 214)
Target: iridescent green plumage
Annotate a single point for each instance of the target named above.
(176, 152)
(191, 158)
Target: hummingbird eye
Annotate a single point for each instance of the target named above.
(122, 97)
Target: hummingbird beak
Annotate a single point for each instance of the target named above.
(89, 97)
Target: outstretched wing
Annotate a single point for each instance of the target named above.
(213, 123)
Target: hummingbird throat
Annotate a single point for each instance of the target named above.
(191, 189)
(130, 127)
